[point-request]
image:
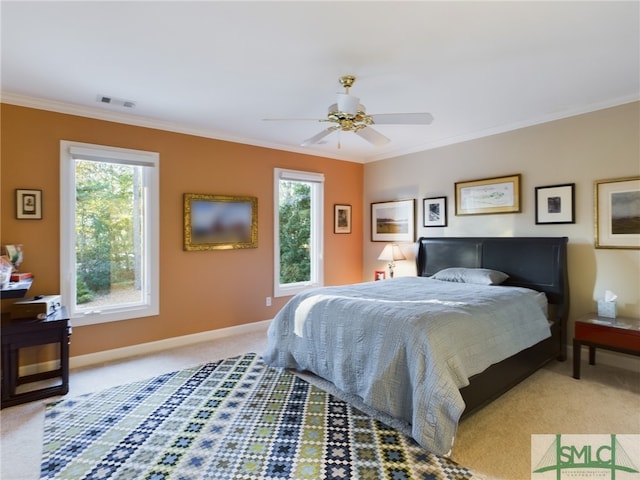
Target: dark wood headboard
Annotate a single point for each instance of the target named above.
(539, 263)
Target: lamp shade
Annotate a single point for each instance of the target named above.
(391, 253)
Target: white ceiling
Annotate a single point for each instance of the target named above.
(218, 69)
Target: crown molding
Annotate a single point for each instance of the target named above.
(139, 121)
(497, 130)
(135, 120)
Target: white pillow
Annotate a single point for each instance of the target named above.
(480, 276)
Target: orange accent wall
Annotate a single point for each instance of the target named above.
(199, 291)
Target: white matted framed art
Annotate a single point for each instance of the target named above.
(488, 195)
(393, 221)
(341, 218)
(555, 204)
(28, 204)
(617, 213)
(434, 212)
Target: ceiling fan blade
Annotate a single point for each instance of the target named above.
(319, 136)
(294, 120)
(372, 136)
(402, 118)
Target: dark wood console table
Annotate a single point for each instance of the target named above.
(620, 334)
(16, 289)
(22, 333)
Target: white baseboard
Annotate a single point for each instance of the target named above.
(152, 347)
(144, 348)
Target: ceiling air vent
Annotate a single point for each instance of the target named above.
(118, 102)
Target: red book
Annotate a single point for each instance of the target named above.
(18, 277)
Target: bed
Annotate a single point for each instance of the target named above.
(390, 343)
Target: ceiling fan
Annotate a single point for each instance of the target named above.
(349, 115)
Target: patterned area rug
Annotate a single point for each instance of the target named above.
(231, 420)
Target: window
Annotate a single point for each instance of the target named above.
(109, 232)
(298, 218)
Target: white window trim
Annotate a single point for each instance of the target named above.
(69, 151)
(317, 230)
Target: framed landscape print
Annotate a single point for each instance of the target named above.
(220, 222)
(488, 195)
(393, 221)
(617, 213)
(555, 204)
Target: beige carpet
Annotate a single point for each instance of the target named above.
(494, 442)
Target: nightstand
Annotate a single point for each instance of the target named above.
(22, 333)
(621, 334)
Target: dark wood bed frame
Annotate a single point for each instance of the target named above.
(539, 263)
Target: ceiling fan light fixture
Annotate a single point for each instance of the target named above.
(349, 115)
(348, 103)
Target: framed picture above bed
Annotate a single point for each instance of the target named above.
(617, 213)
(393, 221)
(220, 222)
(488, 195)
(555, 204)
(434, 212)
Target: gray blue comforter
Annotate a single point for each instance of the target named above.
(406, 345)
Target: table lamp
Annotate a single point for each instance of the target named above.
(390, 254)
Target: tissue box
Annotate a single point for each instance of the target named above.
(606, 309)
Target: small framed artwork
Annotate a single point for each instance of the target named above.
(488, 195)
(220, 222)
(434, 212)
(29, 204)
(379, 275)
(555, 204)
(393, 221)
(342, 219)
(617, 213)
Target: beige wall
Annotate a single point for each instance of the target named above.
(199, 291)
(579, 150)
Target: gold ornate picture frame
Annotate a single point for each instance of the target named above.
(220, 222)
